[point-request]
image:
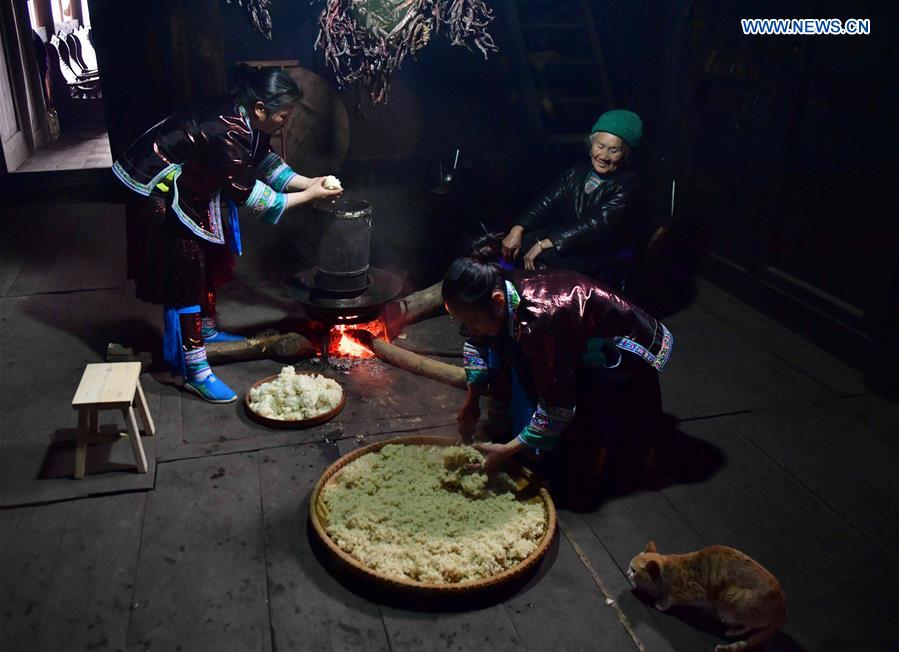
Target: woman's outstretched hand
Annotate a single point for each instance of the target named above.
(313, 193)
(530, 258)
(496, 454)
(317, 190)
(311, 182)
(512, 243)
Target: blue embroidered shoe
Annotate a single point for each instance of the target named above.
(201, 381)
(211, 389)
(222, 336)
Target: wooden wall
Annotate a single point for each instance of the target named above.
(782, 146)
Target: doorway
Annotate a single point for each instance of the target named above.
(51, 114)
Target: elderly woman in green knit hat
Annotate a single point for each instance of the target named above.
(593, 219)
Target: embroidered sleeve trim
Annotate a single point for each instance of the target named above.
(658, 361)
(546, 426)
(665, 351)
(274, 171)
(473, 357)
(264, 203)
(476, 370)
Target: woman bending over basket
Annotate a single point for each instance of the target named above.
(578, 363)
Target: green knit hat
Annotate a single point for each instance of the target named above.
(627, 125)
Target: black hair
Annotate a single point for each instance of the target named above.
(271, 86)
(472, 279)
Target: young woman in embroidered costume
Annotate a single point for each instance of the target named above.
(181, 242)
(578, 364)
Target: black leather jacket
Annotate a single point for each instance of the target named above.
(609, 220)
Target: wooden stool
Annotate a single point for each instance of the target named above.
(110, 386)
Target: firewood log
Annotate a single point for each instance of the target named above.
(417, 364)
(414, 307)
(284, 345)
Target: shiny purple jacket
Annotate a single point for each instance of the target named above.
(560, 321)
(197, 155)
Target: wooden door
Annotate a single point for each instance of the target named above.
(12, 136)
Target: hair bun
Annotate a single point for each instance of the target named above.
(487, 249)
(272, 86)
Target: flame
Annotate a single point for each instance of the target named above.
(344, 346)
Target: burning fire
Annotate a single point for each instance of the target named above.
(344, 346)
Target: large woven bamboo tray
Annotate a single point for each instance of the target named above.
(295, 424)
(528, 488)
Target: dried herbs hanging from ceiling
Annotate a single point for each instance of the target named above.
(258, 13)
(365, 41)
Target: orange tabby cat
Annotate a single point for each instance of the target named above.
(742, 593)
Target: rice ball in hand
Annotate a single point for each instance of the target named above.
(332, 183)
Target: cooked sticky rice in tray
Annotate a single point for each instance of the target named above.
(426, 513)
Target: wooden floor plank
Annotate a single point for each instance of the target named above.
(639, 616)
(856, 500)
(476, 629)
(872, 455)
(12, 259)
(779, 341)
(309, 608)
(52, 264)
(201, 581)
(823, 564)
(735, 373)
(872, 412)
(89, 599)
(565, 610)
(30, 543)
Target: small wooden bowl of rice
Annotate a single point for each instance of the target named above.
(294, 400)
(411, 514)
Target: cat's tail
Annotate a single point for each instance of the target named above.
(754, 640)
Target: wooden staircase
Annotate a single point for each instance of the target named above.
(561, 65)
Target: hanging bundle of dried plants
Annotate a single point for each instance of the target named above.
(365, 41)
(258, 13)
